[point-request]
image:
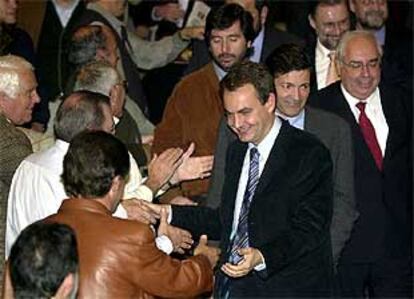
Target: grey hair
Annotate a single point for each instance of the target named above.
(10, 68)
(97, 77)
(348, 36)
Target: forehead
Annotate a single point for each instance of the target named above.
(248, 5)
(242, 97)
(234, 29)
(329, 13)
(27, 79)
(361, 48)
(295, 77)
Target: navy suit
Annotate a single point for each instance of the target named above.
(383, 230)
(288, 220)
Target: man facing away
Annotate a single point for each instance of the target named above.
(275, 212)
(122, 260)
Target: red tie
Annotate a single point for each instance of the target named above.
(369, 135)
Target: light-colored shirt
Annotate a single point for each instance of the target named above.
(380, 36)
(374, 112)
(258, 46)
(322, 62)
(264, 148)
(219, 71)
(37, 191)
(64, 12)
(297, 121)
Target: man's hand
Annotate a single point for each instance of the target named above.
(192, 33)
(171, 12)
(162, 167)
(251, 258)
(212, 253)
(136, 210)
(181, 239)
(192, 167)
(182, 201)
(147, 139)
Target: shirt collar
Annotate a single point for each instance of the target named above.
(219, 71)
(63, 145)
(107, 15)
(321, 49)
(352, 101)
(295, 121)
(265, 146)
(258, 46)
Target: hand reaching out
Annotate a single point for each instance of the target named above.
(212, 253)
(251, 258)
(136, 210)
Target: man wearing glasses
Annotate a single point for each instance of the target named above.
(377, 258)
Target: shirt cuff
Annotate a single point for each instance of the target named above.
(164, 244)
(261, 266)
(154, 17)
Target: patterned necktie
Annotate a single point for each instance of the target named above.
(369, 135)
(241, 238)
(332, 75)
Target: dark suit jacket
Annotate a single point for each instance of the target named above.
(335, 134)
(383, 199)
(288, 220)
(272, 39)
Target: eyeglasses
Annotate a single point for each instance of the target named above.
(359, 65)
(367, 2)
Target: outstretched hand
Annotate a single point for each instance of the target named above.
(251, 258)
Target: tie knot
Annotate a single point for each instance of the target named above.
(331, 55)
(361, 106)
(254, 154)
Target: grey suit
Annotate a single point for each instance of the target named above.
(335, 134)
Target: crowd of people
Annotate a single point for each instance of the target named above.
(241, 157)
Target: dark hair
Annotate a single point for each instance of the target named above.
(313, 6)
(93, 160)
(80, 111)
(248, 72)
(40, 259)
(225, 16)
(287, 58)
(85, 43)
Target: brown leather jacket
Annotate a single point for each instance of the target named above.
(119, 259)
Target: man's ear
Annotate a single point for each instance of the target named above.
(263, 15)
(352, 6)
(113, 94)
(271, 102)
(66, 287)
(311, 22)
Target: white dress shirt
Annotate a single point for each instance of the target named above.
(37, 191)
(322, 62)
(374, 112)
(64, 12)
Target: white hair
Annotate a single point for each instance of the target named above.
(347, 38)
(10, 68)
(98, 77)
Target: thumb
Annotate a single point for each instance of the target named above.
(189, 151)
(203, 240)
(164, 216)
(243, 251)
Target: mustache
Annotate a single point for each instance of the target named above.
(226, 55)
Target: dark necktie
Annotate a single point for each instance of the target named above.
(124, 37)
(369, 135)
(241, 238)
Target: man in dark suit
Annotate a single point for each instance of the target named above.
(274, 238)
(267, 38)
(377, 258)
(291, 68)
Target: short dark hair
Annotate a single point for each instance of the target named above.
(225, 16)
(93, 160)
(313, 6)
(85, 43)
(80, 111)
(248, 72)
(287, 58)
(40, 259)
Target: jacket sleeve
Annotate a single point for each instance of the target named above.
(163, 276)
(310, 218)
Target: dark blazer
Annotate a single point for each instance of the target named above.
(289, 217)
(335, 134)
(383, 199)
(272, 39)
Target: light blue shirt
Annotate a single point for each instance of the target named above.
(257, 46)
(380, 35)
(219, 71)
(297, 121)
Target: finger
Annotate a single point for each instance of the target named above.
(180, 250)
(164, 215)
(189, 151)
(203, 240)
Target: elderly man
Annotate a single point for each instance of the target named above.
(43, 263)
(377, 258)
(121, 260)
(17, 98)
(194, 109)
(330, 20)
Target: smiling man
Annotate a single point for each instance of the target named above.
(194, 109)
(377, 258)
(17, 98)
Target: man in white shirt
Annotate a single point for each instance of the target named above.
(330, 20)
(377, 258)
